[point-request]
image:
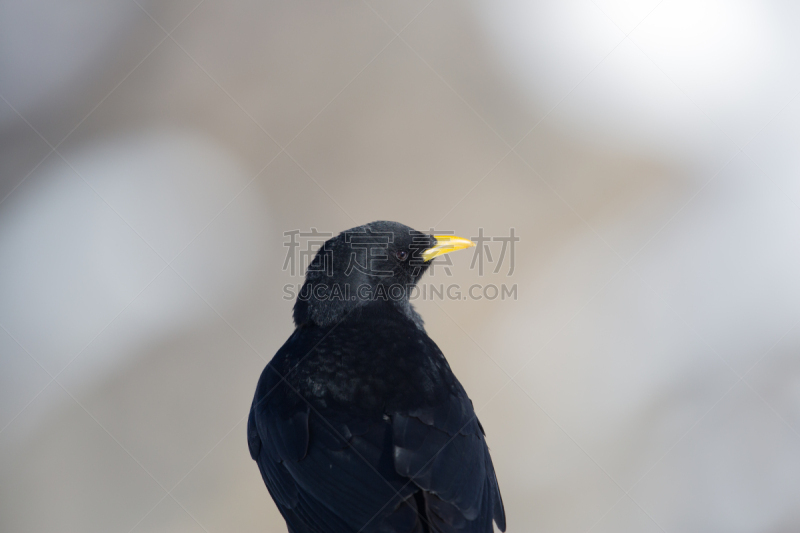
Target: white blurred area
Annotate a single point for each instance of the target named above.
(646, 153)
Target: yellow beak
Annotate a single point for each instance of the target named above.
(446, 244)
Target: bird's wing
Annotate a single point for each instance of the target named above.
(327, 476)
(442, 449)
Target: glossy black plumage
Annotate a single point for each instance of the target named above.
(359, 424)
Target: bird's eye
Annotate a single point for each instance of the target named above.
(402, 255)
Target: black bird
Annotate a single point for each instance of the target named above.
(358, 424)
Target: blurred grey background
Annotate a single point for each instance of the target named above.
(646, 153)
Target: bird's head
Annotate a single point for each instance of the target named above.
(377, 262)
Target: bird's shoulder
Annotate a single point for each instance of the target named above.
(375, 362)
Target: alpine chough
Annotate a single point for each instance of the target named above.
(358, 424)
